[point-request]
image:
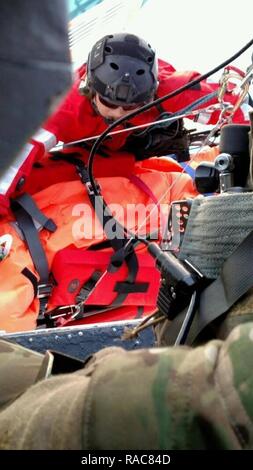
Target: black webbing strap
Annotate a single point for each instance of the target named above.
(235, 279)
(88, 286)
(116, 243)
(27, 203)
(30, 233)
(159, 107)
(32, 278)
(127, 288)
(26, 224)
(104, 217)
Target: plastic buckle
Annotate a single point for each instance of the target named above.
(90, 189)
(44, 290)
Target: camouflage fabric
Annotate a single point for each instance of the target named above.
(19, 368)
(164, 398)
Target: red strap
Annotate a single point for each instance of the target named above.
(235, 69)
(146, 189)
(139, 183)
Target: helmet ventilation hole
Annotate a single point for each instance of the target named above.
(114, 66)
(108, 49)
(140, 72)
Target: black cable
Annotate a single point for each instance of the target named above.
(155, 103)
(192, 307)
(135, 113)
(186, 110)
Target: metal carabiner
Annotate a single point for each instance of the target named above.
(230, 72)
(64, 310)
(77, 308)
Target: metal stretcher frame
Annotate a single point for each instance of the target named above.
(83, 340)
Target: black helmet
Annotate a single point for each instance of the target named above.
(122, 68)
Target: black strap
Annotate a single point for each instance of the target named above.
(27, 203)
(96, 201)
(140, 312)
(32, 278)
(117, 244)
(88, 286)
(104, 217)
(235, 279)
(30, 233)
(159, 107)
(127, 288)
(25, 219)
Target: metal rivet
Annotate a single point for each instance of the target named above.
(20, 183)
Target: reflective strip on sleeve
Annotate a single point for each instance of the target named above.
(9, 175)
(203, 118)
(211, 80)
(46, 138)
(245, 108)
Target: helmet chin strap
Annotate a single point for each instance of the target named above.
(93, 104)
(109, 120)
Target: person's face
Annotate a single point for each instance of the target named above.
(111, 112)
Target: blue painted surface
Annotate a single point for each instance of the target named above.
(82, 341)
